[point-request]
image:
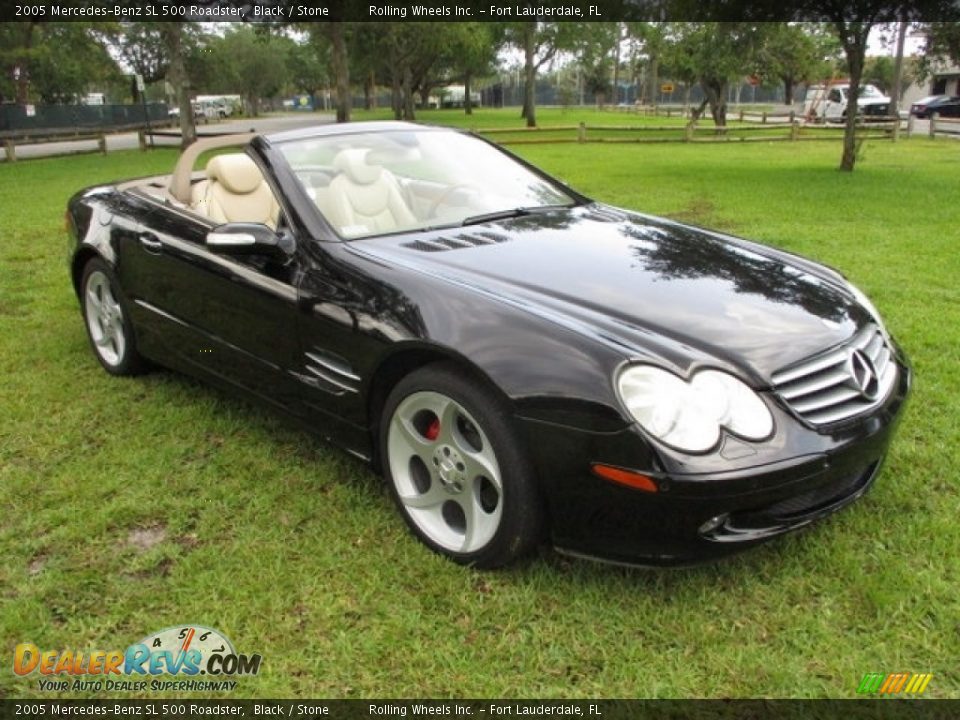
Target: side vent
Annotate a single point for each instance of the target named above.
(328, 372)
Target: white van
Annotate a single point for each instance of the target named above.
(829, 102)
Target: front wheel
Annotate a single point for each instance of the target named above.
(455, 470)
(108, 325)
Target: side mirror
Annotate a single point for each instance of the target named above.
(241, 238)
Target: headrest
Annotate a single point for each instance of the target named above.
(236, 172)
(353, 164)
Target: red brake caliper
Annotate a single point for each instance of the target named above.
(433, 429)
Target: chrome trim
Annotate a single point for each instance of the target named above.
(328, 379)
(333, 365)
(222, 239)
(826, 388)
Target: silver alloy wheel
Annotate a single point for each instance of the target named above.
(445, 472)
(104, 319)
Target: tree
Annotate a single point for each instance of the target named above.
(475, 46)
(796, 53)
(35, 66)
(539, 42)
(257, 62)
(942, 44)
(307, 67)
(595, 48)
(881, 71)
(715, 53)
(852, 23)
(653, 40)
(143, 48)
(173, 41)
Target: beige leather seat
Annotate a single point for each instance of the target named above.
(235, 191)
(363, 199)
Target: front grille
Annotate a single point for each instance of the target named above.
(828, 388)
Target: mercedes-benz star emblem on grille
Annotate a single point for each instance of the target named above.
(863, 375)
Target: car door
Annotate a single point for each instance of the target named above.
(229, 317)
(951, 108)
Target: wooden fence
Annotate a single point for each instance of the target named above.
(880, 129)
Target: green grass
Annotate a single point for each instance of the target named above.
(294, 551)
(490, 118)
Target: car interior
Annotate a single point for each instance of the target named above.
(234, 190)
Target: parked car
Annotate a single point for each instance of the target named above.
(518, 360)
(943, 105)
(203, 111)
(829, 103)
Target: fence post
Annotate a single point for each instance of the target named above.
(895, 135)
(793, 116)
(909, 125)
(11, 150)
(794, 130)
(582, 132)
(741, 116)
(688, 131)
(764, 120)
(933, 124)
(102, 143)
(142, 139)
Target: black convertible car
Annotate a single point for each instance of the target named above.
(519, 361)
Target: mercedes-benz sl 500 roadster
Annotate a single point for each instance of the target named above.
(521, 363)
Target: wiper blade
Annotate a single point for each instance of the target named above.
(507, 214)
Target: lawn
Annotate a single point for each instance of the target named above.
(491, 118)
(136, 504)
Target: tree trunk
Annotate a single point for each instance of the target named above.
(616, 65)
(406, 90)
(653, 87)
(396, 94)
(367, 105)
(467, 100)
(854, 39)
(529, 74)
(897, 93)
(716, 92)
(339, 63)
(788, 90)
(177, 75)
(23, 65)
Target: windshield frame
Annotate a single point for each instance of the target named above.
(332, 234)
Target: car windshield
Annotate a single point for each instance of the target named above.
(368, 183)
(870, 91)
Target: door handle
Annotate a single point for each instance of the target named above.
(151, 243)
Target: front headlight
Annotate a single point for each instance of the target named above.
(864, 301)
(688, 415)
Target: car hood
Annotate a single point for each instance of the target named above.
(648, 285)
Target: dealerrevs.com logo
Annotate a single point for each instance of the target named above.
(184, 653)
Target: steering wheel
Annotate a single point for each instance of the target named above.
(432, 212)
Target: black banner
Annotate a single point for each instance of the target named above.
(300, 11)
(884, 709)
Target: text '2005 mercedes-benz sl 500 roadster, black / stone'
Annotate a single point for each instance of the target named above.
(520, 363)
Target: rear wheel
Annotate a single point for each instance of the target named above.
(457, 473)
(108, 323)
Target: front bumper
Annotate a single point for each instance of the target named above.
(699, 516)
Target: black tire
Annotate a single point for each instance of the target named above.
(118, 355)
(484, 429)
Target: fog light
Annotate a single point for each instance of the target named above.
(713, 523)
